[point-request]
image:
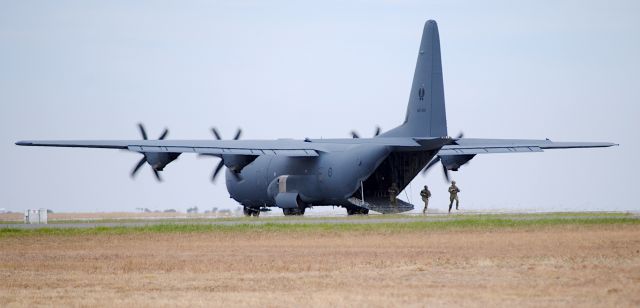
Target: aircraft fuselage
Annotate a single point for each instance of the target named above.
(329, 179)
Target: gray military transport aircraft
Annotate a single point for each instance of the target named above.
(353, 173)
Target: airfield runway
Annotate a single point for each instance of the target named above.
(569, 260)
(80, 221)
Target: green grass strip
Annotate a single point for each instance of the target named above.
(334, 218)
(473, 223)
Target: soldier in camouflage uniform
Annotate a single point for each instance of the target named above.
(453, 195)
(393, 193)
(425, 194)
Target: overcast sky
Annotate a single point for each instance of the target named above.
(564, 70)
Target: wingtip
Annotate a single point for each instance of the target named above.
(23, 143)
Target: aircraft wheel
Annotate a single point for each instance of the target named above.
(248, 212)
(293, 212)
(357, 211)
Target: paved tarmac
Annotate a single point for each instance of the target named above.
(296, 220)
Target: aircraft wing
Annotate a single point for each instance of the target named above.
(471, 146)
(282, 147)
(212, 147)
(301, 148)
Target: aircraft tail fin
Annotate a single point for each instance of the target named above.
(426, 115)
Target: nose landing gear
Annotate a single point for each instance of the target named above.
(249, 211)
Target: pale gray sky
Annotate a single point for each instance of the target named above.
(566, 70)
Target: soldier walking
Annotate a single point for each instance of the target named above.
(425, 194)
(393, 192)
(453, 195)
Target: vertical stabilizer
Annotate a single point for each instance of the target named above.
(426, 116)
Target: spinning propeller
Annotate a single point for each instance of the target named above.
(221, 163)
(438, 159)
(354, 134)
(145, 158)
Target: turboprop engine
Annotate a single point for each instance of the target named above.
(157, 161)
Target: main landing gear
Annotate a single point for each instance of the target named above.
(357, 211)
(293, 212)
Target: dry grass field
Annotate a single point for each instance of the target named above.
(556, 265)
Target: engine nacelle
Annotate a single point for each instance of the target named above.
(235, 163)
(160, 160)
(454, 162)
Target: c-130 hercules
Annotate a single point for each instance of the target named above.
(354, 173)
